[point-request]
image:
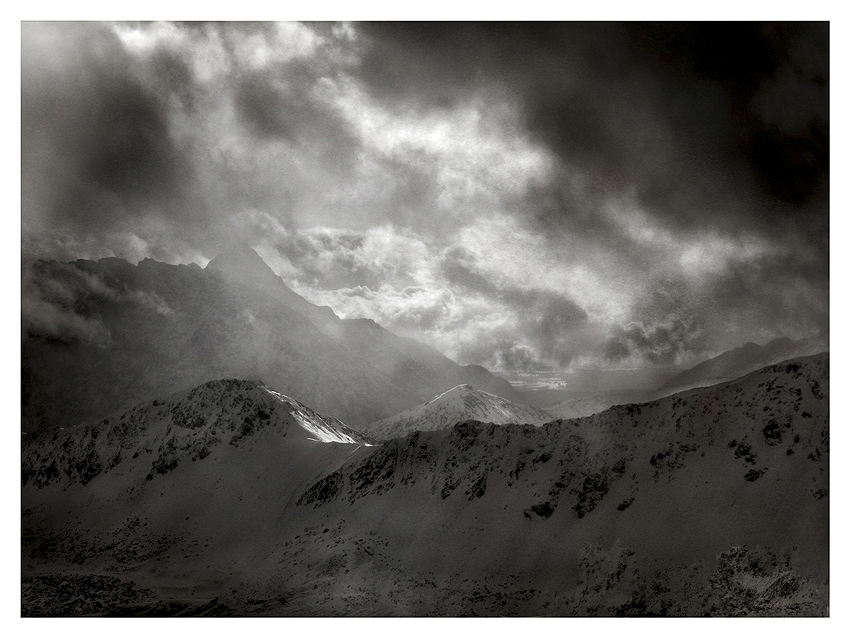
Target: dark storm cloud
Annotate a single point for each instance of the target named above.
(175, 78)
(652, 173)
(716, 130)
(265, 109)
(459, 267)
(552, 312)
(794, 294)
(676, 111)
(96, 144)
(774, 78)
(660, 343)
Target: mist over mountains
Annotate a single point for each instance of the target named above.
(125, 333)
(724, 367)
(257, 257)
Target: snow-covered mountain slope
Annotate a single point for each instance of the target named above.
(724, 367)
(587, 403)
(461, 403)
(705, 502)
(748, 358)
(101, 336)
(185, 427)
(167, 500)
(714, 501)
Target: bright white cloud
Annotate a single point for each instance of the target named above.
(397, 278)
(508, 251)
(474, 150)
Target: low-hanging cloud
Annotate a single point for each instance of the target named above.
(57, 301)
(663, 342)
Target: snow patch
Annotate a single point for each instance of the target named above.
(321, 429)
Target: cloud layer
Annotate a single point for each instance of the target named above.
(522, 196)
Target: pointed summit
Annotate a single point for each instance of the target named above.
(461, 403)
(244, 263)
(243, 266)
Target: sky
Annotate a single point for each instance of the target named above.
(524, 196)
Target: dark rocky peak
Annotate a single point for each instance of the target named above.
(243, 263)
(244, 266)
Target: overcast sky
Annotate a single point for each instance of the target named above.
(520, 196)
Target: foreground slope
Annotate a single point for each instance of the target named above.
(171, 494)
(101, 336)
(461, 403)
(714, 501)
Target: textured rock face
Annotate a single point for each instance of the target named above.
(185, 427)
(734, 468)
(710, 502)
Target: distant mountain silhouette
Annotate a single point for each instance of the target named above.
(731, 364)
(163, 328)
(749, 357)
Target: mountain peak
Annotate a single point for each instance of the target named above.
(238, 254)
(461, 403)
(461, 390)
(243, 262)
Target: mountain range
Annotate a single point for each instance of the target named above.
(101, 336)
(205, 441)
(724, 367)
(233, 499)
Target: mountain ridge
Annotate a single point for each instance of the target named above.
(712, 502)
(119, 334)
(724, 367)
(186, 426)
(461, 403)
(747, 358)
